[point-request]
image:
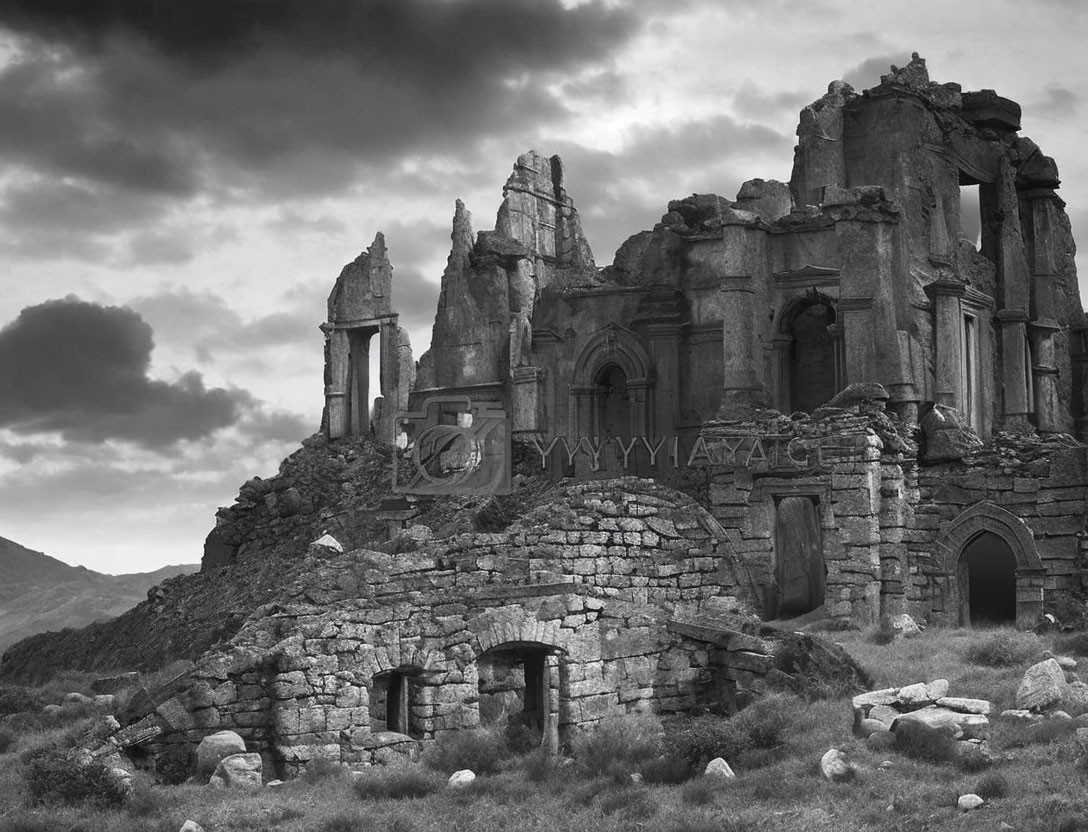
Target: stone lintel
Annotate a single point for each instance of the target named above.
(1013, 316)
(945, 287)
(666, 332)
(736, 283)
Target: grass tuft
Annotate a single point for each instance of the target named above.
(400, 783)
(1003, 648)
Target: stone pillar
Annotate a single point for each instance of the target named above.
(336, 401)
(948, 337)
(665, 346)
(780, 395)
(1078, 347)
(859, 338)
(1045, 326)
(527, 396)
(1014, 369)
(742, 390)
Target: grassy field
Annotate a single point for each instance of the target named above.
(1035, 783)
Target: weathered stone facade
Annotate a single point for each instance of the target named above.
(856, 276)
(932, 462)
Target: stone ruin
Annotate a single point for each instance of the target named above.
(878, 416)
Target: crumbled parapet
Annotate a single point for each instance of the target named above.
(947, 434)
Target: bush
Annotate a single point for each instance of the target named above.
(8, 740)
(174, 766)
(700, 739)
(54, 776)
(666, 770)
(1004, 648)
(991, 786)
(617, 747)
(480, 749)
(397, 783)
(324, 770)
(542, 767)
(884, 634)
(1075, 644)
(18, 700)
(768, 720)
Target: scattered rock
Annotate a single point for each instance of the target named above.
(75, 698)
(937, 689)
(238, 771)
(1076, 695)
(867, 727)
(880, 740)
(967, 706)
(115, 684)
(191, 826)
(327, 541)
(953, 723)
(835, 767)
(1060, 715)
(460, 779)
(719, 768)
(122, 778)
(52, 710)
(905, 626)
(106, 701)
(913, 695)
(967, 802)
(216, 747)
(1043, 685)
(636, 777)
(1021, 714)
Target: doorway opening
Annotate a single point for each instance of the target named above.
(988, 573)
(515, 682)
(800, 571)
(613, 403)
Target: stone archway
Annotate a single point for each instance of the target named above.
(608, 354)
(812, 372)
(985, 534)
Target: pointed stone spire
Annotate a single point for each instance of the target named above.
(363, 288)
(462, 237)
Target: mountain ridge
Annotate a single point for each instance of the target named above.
(40, 593)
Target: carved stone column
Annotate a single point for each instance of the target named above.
(742, 390)
(948, 337)
(1014, 369)
(336, 401)
(665, 342)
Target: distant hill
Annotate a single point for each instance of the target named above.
(40, 593)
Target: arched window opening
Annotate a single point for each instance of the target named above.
(988, 571)
(812, 376)
(515, 684)
(392, 695)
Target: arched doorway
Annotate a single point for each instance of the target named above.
(987, 568)
(812, 378)
(613, 403)
(800, 572)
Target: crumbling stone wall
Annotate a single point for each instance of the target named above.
(598, 582)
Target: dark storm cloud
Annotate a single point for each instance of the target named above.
(80, 369)
(217, 333)
(1057, 102)
(248, 98)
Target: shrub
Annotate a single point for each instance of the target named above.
(991, 786)
(8, 740)
(542, 767)
(397, 783)
(617, 747)
(55, 776)
(481, 749)
(768, 720)
(665, 770)
(17, 699)
(702, 790)
(174, 766)
(325, 770)
(1004, 648)
(884, 634)
(699, 740)
(921, 742)
(1075, 644)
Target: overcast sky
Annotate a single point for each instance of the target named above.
(182, 180)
